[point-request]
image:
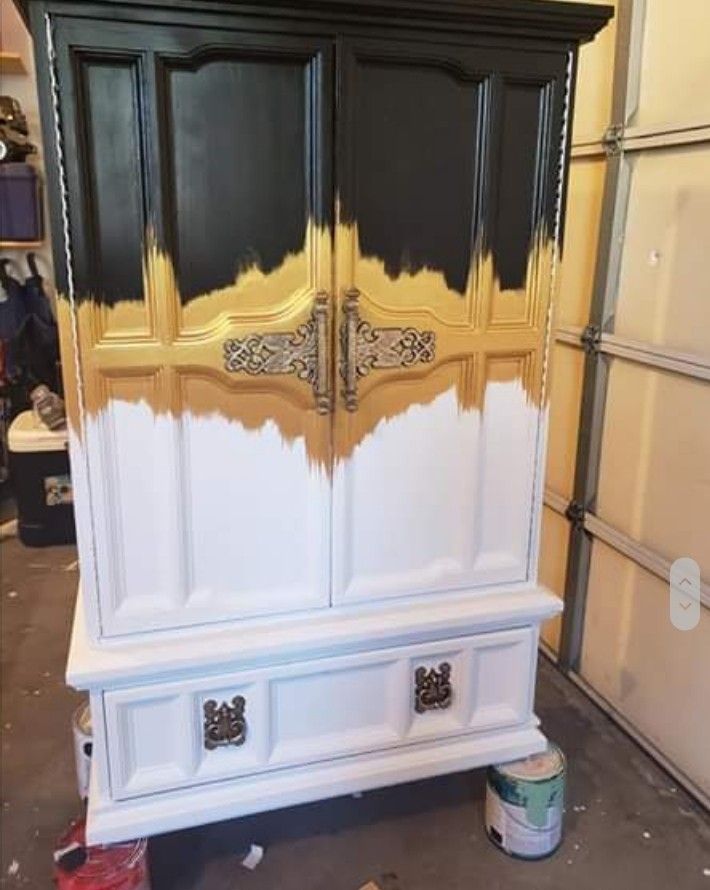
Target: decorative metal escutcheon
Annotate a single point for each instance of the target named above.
(433, 689)
(364, 348)
(225, 724)
(303, 352)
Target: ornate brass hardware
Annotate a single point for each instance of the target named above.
(432, 688)
(303, 352)
(225, 724)
(364, 348)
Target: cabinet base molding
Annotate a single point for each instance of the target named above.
(111, 821)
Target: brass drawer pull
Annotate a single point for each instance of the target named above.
(364, 348)
(303, 352)
(433, 688)
(225, 724)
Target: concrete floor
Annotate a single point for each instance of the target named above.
(627, 825)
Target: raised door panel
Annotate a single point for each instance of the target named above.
(448, 188)
(199, 192)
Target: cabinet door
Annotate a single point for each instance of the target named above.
(448, 185)
(198, 174)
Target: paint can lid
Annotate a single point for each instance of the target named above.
(536, 768)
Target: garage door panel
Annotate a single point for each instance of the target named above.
(565, 397)
(674, 64)
(646, 668)
(663, 285)
(586, 190)
(655, 475)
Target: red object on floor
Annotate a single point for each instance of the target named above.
(114, 867)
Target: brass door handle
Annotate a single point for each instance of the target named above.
(364, 348)
(321, 375)
(348, 348)
(303, 352)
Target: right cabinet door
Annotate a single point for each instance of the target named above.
(449, 180)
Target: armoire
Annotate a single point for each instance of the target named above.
(306, 262)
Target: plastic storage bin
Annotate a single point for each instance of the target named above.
(39, 470)
(20, 204)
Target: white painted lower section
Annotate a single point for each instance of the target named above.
(195, 520)
(83, 519)
(329, 709)
(188, 513)
(437, 498)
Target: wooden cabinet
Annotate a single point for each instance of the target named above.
(306, 259)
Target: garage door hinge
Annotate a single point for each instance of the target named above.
(613, 140)
(590, 338)
(575, 512)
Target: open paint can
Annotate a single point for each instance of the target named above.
(524, 804)
(83, 744)
(111, 867)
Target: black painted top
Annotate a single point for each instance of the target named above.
(440, 150)
(556, 20)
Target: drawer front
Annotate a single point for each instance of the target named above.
(171, 735)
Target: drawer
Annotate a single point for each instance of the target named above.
(191, 731)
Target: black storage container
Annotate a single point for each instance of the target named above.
(39, 470)
(20, 204)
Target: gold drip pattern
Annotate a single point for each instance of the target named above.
(151, 348)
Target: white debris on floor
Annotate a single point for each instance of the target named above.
(253, 857)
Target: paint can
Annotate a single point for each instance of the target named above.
(524, 804)
(83, 745)
(111, 867)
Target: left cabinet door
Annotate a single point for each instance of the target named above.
(198, 189)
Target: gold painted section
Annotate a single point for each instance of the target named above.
(170, 355)
(486, 334)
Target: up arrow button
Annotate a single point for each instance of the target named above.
(685, 593)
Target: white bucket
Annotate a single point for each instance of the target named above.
(83, 744)
(524, 804)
